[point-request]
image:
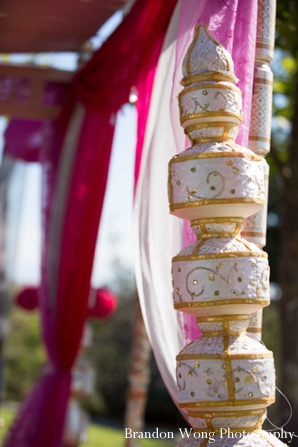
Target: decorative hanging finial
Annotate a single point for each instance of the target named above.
(206, 55)
(225, 379)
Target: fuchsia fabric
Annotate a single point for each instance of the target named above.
(25, 138)
(79, 233)
(104, 304)
(103, 86)
(28, 147)
(129, 57)
(28, 298)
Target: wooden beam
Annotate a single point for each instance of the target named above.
(30, 105)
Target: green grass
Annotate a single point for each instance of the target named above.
(6, 418)
(111, 437)
(99, 435)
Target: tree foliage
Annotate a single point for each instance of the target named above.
(24, 354)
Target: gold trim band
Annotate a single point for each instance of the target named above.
(217, 220)
(218, 85)
(230, 254)
(263, 81)
(244, 402)
(265, 46)
(202, 140)
(258, 138)
(214, 76)
(221, 124)
(224, 356)
(228, 414)
(222, 318)
(231, 234)
(254, 330)
(205, 202)
(228, 362)
(247, 156)
(209, 114)
(253, 234)
(223, 302)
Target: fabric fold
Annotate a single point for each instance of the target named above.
(158, 234)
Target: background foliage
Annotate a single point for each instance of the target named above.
(23, 353)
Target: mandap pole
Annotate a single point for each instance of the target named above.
(260, 128)
(138, 378)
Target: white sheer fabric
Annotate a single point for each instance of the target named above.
(158, 234)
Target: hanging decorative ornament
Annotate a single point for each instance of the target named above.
(226, 378)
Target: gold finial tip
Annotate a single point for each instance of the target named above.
(206, 55)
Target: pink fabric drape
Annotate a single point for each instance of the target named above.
(87, 188)
(233, 23)
(127, 58)
(131, 57)
(39, 141)
(144, 86)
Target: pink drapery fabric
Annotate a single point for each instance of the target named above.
(132, 53)
(28, 146)
(39, 141)
(128, 58)
(233, 23)
(157, 234)
(87, 188)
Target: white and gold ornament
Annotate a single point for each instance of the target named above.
(226, 378)
(220, 271)
(225, 369)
